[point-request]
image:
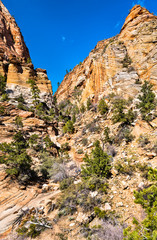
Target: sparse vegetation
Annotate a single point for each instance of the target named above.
(35, 91)
(126, 61)
(143, 140)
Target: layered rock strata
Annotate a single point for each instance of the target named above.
(15, 62)
(118, 64)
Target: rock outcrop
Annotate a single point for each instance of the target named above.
(15, 62)
(118, 64)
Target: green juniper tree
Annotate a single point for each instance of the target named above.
(98, 163)
(18, 122)
(147, 101)
(15, 156)
(35, 91)
(69, 127)
(103, 107)
(120, 114)
(89, 104)
(2, 84)
(82, 108)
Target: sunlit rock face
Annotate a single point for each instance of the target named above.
(118, 64)
(15, 61)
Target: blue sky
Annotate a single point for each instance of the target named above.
(61, 33)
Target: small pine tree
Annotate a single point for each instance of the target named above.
(73, 118)
(103, 107)
(147, 101)
(98, 163)
(82, 109)
(89, 104)
(68, 128)
(2, 84)
(119, 115)
(107, 138)
(18, 122)
(35, 91)
(119, 106)
(17, 160)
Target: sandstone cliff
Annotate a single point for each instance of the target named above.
(119, 63)
(15, 61)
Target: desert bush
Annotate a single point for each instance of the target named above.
(65, 147)
(21, 106)
(68, 128)
(48, 142)
(20, 99)
(74, 118)
(52, 168)
(143, 140)
(31, 225)
(18, 122)
(64, 184)
(123, 134)
(92, 127)
(126, 61)
(2, 84)
(4, 97)
(110, 229)
(84, 141)
(89, 104)
(64, 104)
(125, 166)
(111, 151)
(103, 107)
(119, 114)
(76, 93)
(95, 183)
(2, 110)
(33, 139)
(80, 151)
(82, 108)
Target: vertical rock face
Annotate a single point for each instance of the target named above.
(11, 39)
(119, 63)
(15, 61)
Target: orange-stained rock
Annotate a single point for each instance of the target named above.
(15, 61)
(33, 122)
(141, 127)
(107, 68)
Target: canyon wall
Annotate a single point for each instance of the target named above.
(15, 62)
(117, 65)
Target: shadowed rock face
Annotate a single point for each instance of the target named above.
(116, 64)
(15, 61)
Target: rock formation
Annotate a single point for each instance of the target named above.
(119, 63)
(15, 62)
(98, 206)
